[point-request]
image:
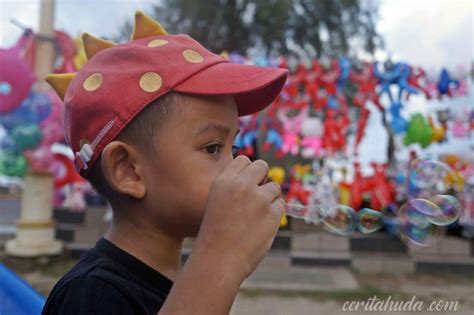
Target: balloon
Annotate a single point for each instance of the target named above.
(6, 142)
(12, 164)
(68, 50)
(277, 174)
(345, 66)
(446, 83)
(388, 77)
(291, 129)
(34, 109)
(39, 105)
(419, 131)
(235, 57)
(398, 123)
(51, 127)
(39, 159)
(26, 136)
(16, 78)
(311, 130)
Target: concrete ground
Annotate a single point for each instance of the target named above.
(278, 288)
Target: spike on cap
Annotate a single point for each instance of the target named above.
(60, 82)
(93, 45)
(145, 26)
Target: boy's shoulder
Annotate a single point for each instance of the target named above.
(104, 284)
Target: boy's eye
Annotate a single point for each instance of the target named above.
(213, 149)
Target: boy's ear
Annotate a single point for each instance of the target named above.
(123, 169)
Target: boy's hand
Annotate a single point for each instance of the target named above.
(242, 216)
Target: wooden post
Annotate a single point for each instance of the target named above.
(35, 228)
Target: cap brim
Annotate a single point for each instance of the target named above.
(253, 87)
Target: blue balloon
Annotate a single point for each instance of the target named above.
(6, 143)
(398, 123)
(261, 61)
(37, 107)
(345, 66)
(445, 82)
(33, 110)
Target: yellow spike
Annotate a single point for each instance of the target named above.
(60, 82)
(145, 26)
(92, 45)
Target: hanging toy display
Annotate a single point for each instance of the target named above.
(419, 131)
(386, 78)
(460, 127)
(446, 84)
(417, 79)
(311, 143)
(362, 75)
(438, 133)
(273, 136)
(398, 124)
(291, 129)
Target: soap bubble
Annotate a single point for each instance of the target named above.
(310, 213)
(415, 228)
(369, 220)
(424, 207)
(296, 210)
(429, 174)
(340, 220)
(450, 209)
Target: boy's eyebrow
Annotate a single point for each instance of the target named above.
(223, 129)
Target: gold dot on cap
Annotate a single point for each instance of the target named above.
(192, 56)
(93, 82)
(150, 82)
(157, 42)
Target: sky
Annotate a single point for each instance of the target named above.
(429, 33)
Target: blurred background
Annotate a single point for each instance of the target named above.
(372, 140)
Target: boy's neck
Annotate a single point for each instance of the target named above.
(156, 249)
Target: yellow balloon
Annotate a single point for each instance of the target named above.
(283, 221)
(277, 174)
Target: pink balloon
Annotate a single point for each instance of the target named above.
(16, 78)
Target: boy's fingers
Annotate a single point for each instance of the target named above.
(255, 172)
(272, 190)
(279, 205)
(237, 165)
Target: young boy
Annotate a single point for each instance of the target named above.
(152, 123)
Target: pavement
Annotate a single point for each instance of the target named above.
(280, 287)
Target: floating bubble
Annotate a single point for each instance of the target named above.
(423, 207)
(296, 210)
(340, 220)
(369, 220)
(450, 210)
(415, 228)
(310, 213)
(426, 173)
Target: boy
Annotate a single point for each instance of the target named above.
(152, 122)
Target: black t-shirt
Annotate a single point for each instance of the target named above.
(108, 280)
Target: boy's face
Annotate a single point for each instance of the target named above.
(191, 151)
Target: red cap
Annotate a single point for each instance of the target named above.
(118, 81)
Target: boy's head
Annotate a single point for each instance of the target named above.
(152, 121)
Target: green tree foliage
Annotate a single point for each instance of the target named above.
(311, 27)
